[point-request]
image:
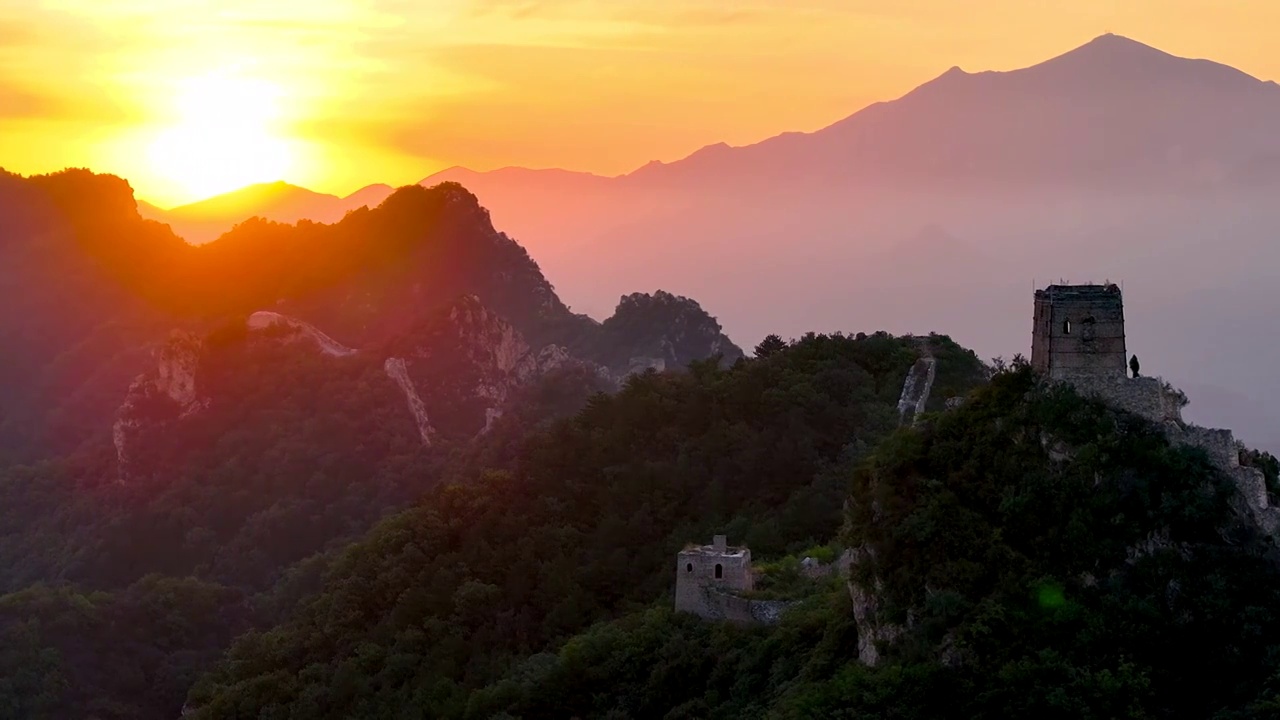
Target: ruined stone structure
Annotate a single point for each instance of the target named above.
(918, 385)
(1161, 403)
(1079, 330)
(1078, 339)
(701, 568)
(710, 580)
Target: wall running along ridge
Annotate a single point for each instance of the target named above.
(399, 373)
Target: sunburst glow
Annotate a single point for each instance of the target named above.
(223, 136)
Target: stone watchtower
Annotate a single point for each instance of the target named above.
(1079, 331)
(701, 570)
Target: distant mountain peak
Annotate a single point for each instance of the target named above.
(1108, 58)
(1112, 48)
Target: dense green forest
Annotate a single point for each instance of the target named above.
(1040, 554)
(293, 551)
(445, 598)
(1116, 582)
(515, 543)
(132, 653)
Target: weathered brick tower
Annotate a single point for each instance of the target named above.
(702, 570)
(1079, 331)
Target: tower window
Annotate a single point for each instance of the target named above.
(719, 571)
(1066, 327)
(688, 567)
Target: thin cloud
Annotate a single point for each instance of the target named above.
(19, 103)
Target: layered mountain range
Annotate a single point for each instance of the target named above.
(1114, 160)
(422, 287)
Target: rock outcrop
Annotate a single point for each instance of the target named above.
(399, 374)
(865, 591)
(167, 392)
(469, 361)
(918, 385)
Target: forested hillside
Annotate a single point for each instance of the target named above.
(465, 502)
(189, 436)
(1043, 556)
(577, 523)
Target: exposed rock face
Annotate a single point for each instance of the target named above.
(915, 390)
(396, 370)
(639, 365)
(872, 629)
(165, 393)
(470, 361)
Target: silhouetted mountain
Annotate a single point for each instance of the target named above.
(1113, 112)
(77, 274)
(93, 286)
(203, 221)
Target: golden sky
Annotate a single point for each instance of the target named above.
(187, 98)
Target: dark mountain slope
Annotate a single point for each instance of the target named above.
(91, 284)
(77, 273)
(1043, 556)
(580, 527)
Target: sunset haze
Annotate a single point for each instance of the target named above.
(192, 99)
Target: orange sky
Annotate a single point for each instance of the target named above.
(187, 98)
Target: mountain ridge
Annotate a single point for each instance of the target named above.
(1099, 58)
(86, 301)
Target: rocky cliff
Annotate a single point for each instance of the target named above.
(463, 364)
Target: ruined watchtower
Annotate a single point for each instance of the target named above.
(1079, 331)
(704, 570)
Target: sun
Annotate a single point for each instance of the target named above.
(223, 136)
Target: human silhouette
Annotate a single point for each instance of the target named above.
(1133, 365)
